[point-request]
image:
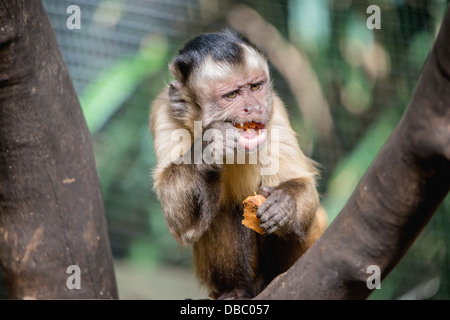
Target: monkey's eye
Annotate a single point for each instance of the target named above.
(231, 95)
(255, 86)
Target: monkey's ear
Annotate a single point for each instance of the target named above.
(177, 101)
(175, 70)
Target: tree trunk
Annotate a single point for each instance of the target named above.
(51, 207)
(393, 202)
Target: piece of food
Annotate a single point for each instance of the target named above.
(251, 205)
(252, 135)
(250, 125)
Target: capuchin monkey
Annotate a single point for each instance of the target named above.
(221, 134)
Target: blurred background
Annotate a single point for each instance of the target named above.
(346, 87)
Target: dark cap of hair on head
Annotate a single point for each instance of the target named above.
(224, 46)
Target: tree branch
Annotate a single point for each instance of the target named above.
(51, 207)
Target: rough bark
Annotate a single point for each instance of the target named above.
(393, 202)
(51, 207)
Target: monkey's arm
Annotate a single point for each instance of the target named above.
(292, 198)
(189, 193)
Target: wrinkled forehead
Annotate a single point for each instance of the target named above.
(212, 71)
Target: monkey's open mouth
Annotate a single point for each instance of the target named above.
(253, 135)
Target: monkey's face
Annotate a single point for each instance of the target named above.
(241, 96)
(229, 80)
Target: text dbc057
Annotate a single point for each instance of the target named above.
(246, 309)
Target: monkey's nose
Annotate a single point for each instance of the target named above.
(251, 109)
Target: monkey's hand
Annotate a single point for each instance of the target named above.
(222, 137)
(278, 212)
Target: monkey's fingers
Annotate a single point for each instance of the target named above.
(270, 215)
(266, 191)
(277, 220)
(265, 207)
(276, 211)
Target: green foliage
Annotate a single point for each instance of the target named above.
(111, 89)
(349, 171)
(310, 23)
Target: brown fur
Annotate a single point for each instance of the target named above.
(202, 203)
